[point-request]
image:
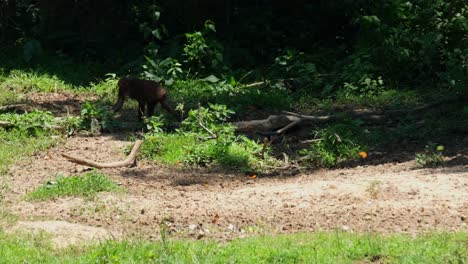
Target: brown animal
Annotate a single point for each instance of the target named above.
(147, 93)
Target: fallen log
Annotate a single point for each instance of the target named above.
(129, 161)
(278, 124)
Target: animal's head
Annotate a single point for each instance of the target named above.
(124, 87)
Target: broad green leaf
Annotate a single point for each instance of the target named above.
(211, 79)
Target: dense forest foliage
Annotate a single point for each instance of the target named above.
(321, 45)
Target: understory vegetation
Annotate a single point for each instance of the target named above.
(397, 56)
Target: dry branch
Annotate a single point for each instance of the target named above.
(130, 160)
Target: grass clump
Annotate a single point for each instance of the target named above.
(330, 247)
(85, 185)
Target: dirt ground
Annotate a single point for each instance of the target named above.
(197, 203)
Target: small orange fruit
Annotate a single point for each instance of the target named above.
(363, 154)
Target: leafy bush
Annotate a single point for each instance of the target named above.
(432, 156)
(297, 71)
(97, 117)
(87, 184)
(164, 71)
(203, 54)
(71, 124)
(367, 87)
(35, 123)
(154, 124)
(335, 144)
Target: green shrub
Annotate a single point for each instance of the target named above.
(203, 53)
(97, 117)
(335, 144)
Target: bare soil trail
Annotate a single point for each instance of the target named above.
(386, 198)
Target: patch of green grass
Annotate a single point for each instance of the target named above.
(107, 88)
(385, 99)
(9, 97)
(86, 185)
(331, 247)
(170, 149)
(16, 144)
(75, 73)
(30, 81)
(176, 149)
(17, 81)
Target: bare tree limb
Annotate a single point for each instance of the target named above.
(6, 124)
(253, 84)
(130, 160)
(11, 107)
